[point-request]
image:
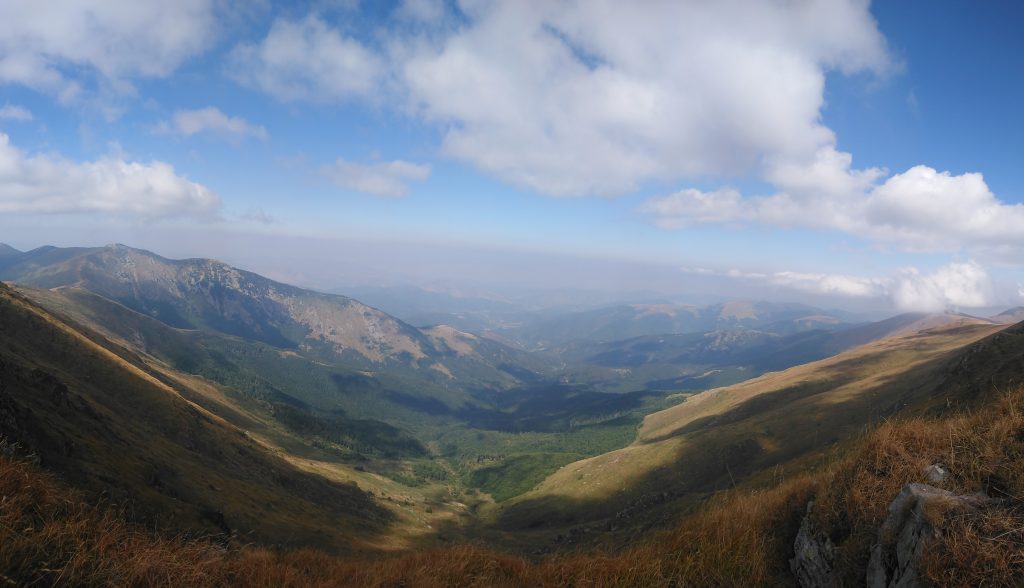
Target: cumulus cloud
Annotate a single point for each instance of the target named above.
(52, 46)
(380, 179)
(598, 97)
(14, 112)
(308, 60)
(919, 209)
(957, 285)
(838, 284)
(52, 184)
(953, 286)
(212, 121)
(594, 97)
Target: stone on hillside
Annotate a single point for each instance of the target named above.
(814, 554)
(936, 474)
(895, 559)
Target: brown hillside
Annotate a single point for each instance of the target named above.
(97, 415)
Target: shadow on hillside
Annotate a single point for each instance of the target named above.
(757, 440)
(106, 424)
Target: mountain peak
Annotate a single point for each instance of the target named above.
(8, 251)
(1010, 315)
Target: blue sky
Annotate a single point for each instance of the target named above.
(849, 154)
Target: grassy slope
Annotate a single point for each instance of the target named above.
(761, 428)
(534, 429)
(105, 420)
(743, 537)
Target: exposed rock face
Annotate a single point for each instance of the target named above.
(895, 560)
(814, 554)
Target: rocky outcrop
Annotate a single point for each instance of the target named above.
(914, 520)
(896, 558)
(814, 554)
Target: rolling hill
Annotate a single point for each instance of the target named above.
(697, 361)
(779, 422)
(1010, 316)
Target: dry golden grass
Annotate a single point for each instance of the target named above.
(48, 536)
(984, 453)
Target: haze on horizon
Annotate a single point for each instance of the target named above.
(839, 153)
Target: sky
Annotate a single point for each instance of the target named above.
(850, 154)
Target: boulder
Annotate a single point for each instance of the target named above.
(936, 473)
(814, 554)
(895, 559)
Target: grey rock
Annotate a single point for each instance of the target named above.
(895, 559)
(936, 473)
(814, 554)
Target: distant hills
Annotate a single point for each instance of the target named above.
(1011, 316)
(215, 297)
(637, 320)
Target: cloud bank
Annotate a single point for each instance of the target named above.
(958, 285)
(55, 47)
(49, 184)
(920, 209)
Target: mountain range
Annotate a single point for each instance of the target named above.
(207, 399)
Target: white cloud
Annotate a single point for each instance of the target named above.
(51, 184)
(213, 121)
(956, 285)
(307, 60)
(599, 97)
(428, 11)
(55, 46)
(381, 179)
(843, 285)
(953, 286)
(592, 97)
(691, 206)
(920, 209)
(14, 112)
(932, 209)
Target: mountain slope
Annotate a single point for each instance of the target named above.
(98, 415)
(1010, 316)
(212, 296)
(379, 423)
(722, 436)
(722, 357)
